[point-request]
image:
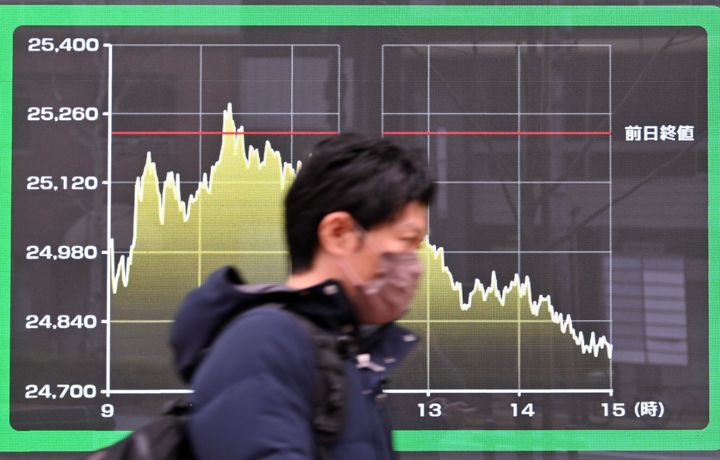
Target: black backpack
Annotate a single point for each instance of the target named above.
(165, 437)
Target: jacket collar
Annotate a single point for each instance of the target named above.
(208, 308)
(329, 307)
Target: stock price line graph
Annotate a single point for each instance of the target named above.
(566, 290)
(235, 206)
(238, 206)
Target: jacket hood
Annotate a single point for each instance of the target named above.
(206, 310)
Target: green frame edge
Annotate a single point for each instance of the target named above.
(708, 17)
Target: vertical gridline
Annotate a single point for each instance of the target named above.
(382, 91)
(200, 165)
(337, 110)
(519, 222)
(109, 243)
(292, 97)
(427, 278)
(610, 209)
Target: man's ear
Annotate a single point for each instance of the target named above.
(338, 234)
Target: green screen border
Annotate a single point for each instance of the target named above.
(708, 17)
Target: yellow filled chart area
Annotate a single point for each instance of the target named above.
(497, 337)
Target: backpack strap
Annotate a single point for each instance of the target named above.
(330, 389)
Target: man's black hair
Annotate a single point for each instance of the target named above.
(372, 179)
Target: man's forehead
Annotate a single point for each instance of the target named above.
(413, 217)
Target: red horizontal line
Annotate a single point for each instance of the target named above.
(498, 133)
(216, 133)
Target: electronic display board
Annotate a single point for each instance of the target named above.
(570, 296)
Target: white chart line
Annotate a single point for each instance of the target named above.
(519, 252)
(109, 251)
(428, 114)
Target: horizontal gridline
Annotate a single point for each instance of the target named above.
(181, 252)
(499, 45)
(488, 182)
(526, 252)
(518, 391)
(425, 114)
(141, 321)
(513, 321)
(266, 45)
(222, 113)
(389, 391)
(147, 392)
(285, 252)
(525, 182)
(401, 321)
(133, 182)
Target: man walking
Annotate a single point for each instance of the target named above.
(355, 217)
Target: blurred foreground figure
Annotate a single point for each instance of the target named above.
(301, 378)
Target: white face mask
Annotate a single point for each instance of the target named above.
(386, 296)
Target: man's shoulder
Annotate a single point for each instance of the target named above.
(262, 345)
(265, 328)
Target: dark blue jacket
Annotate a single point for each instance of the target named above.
(254, 374)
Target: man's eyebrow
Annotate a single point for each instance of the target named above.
(412, 226)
